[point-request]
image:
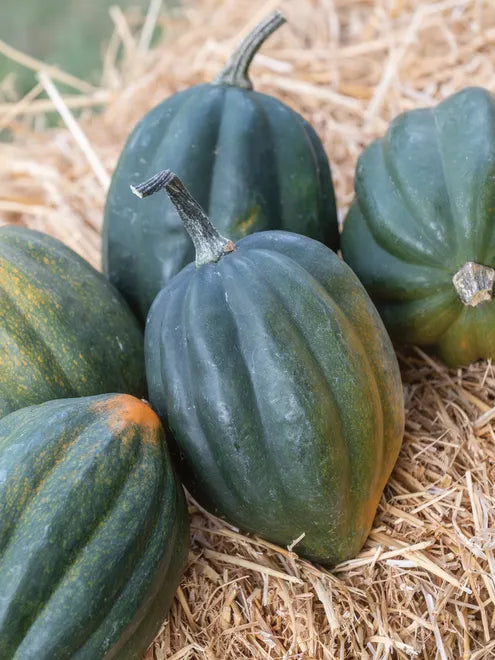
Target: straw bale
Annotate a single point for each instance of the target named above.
(424, 584)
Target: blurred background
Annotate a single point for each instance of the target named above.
(70, 34)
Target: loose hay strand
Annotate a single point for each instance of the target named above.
(36, 65)
(424, 584)
(78, 134)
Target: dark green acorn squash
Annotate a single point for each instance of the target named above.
(420, 233)
(250, 161)
(274, 373)
(64, 330)
(93, 529)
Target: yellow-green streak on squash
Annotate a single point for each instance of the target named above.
(93, 529)
(64, 330)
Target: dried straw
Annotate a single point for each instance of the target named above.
(424, 585)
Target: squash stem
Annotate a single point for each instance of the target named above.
(208, 243)
(474, 283)
(236, 70)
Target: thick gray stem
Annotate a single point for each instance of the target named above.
(208, 243)
(474, 283)
(236, 70)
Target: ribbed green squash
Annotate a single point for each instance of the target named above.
(93, 529)
(64, 330)
(274, 373)
(420, 234)
(251, 161)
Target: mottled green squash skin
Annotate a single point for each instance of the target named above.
(93, 529)
(64, 330)
(424, 207)
(252, 163)
(278, 381)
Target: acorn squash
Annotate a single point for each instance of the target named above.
(274, 373)
(420, 233)
(64, 330)
(93, 529)
(251, 161)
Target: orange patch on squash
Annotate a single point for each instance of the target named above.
(124, 410)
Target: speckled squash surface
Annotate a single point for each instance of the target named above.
(278, 381)
(420, 233)
(93, 530)
(252, 162)
(64, 330)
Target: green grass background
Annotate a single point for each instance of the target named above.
(67, 33)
